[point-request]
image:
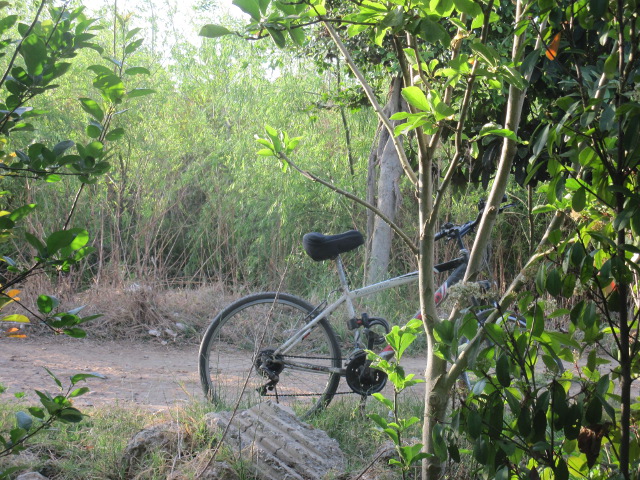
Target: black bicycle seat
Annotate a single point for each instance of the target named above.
(324, 247)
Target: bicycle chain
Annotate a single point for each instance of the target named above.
(311, 358)
(306, 394)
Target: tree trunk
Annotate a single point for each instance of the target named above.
(388, 191)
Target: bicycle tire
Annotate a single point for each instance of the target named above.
(250, 325)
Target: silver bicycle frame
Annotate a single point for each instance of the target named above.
(348, 296)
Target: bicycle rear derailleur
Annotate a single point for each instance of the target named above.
(269, 366)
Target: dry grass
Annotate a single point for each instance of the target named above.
(138, 309)
(131, 311)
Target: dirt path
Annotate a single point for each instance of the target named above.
(142, 373)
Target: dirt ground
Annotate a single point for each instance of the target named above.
(143, 373)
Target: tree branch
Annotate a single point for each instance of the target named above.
(406, 166)
(507, 299)
(356, 199)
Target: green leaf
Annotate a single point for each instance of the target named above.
(47, 303)
(469, 7)
(132, 32)
(554, 283)
(24, 420)
(80, 238)
(439, 445)
(416, 98)
(380, 421)
(593, 413)
(561, 471)
(92, 108)
(133, 46)
(35, 243)
(115, 134)
(110, 86)
(7, 22)
(481, 450)
(137, 71)
(93, 131)
(99, 69)
(474, 424)
(297, 35)
(62, 147)
(55, 379)
(394, 18)
(488, 54)
(140, 92)
(433, 32)
(79, 391)
(251, 7)
(500, 132)
(611, 65)
(75, 332)
(529, 63)
(503, 371)
(34, 52)
(579, 199)
(384, 400)
(541, 278)
(277, 36)
(58, 240)
(70, 415)
(624, 217)
(441, 7)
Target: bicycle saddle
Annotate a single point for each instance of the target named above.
(324, 247)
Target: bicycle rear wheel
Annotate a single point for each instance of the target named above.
(247, 331)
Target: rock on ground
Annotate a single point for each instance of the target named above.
(278, 444)
(31, 476)
(166, 436)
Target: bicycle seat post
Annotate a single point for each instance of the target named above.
(344, 285)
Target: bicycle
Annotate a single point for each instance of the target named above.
(277, 345)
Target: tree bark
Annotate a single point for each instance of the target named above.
(388, 191)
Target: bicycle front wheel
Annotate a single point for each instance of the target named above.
(236, 343)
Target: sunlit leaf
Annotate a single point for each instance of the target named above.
(92, 108)
(140, 92)
(34, 52)
(17, 318)
(416, 98)
(214, 31)
(250, 7)
(133, 46)
(110, 86)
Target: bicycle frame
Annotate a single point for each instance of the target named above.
(458, 265)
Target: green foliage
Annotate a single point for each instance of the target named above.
(580, 135)
(39, 51)
(43, 45)
(400, 338)
(53, 409)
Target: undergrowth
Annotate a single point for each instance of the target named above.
(93, 448)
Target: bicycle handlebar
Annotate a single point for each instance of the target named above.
(450, 230)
